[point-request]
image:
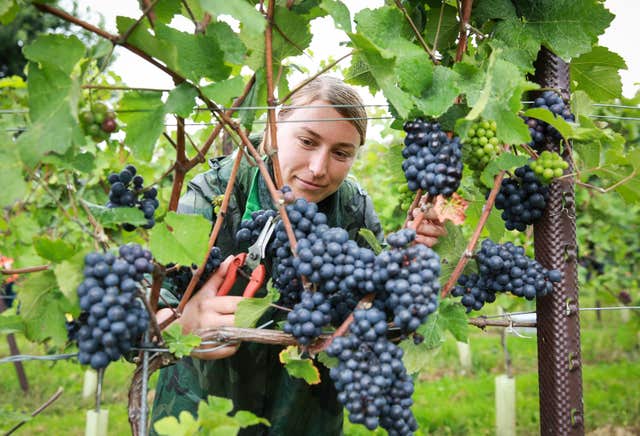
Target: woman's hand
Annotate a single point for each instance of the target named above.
(429, 229)
(206, 310)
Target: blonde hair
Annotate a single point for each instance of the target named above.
(335, 92)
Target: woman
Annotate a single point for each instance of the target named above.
(318, 137)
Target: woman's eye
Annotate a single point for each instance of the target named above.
(342, 155)
(305, 141)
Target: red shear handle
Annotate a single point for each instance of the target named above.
(232, 274)
(255, 281)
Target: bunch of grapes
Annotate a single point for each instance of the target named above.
(522, 199)
(250, 229)
(181, 276)
(405, 196)
(433, 162)
(127, 191)
(549, 166)
(113, 317)
(99, 122)
(337, 266)
(406, 281)
(541, 131)
(482, 145)
(307, 318)
(504, 268)
(371, 380)
(305, 219)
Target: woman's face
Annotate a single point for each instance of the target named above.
(315, 155)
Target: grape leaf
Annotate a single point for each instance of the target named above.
(299, 367)
(165, 10)
(492, 9)
(567, 27)
(452, 317)
(252, 21)
(250, 310)
(229, 41)
(450, 249)
(42, 307)
(184, 425)
(416, 357)
(225, 91)
(547, 116)
(195, 56)
(69, 274)
(8, 11)
(339, 12)
(246, 419)
(181, 100)
(11, 178)
(59, 51)
(143, 112)
(53, 250)
(11, 323)
(504, 161)
(298, 30)
(142, 38)
(112, 217)
(596, 73)
(72, 160)
(442, 22)
(500, 100)
(180, 239)
(179, 344)
(53, 97)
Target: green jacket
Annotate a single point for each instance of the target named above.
(253, 377)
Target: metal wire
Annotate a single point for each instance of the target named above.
(505, 315)
(26, 357)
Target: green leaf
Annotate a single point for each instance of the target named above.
(179, 344)
(596, 73)
(450, 249)
(184, 425)
(8, 11)
(245, 419)
(166, 9)
(181, 100)
(69, 274)
(553, 20)
(225, 91)
(440, 95)
(112, 217)
(371, 240)
(11, 177)
(181, 239)
(443, 24)
(547, 116)
(60, 51)
(500, 100)
(229, 41)
(143, 112)
(241, 10)
(72, 160)
(339, 12)
(250, 310)
(505, 161)
(142, 38)
(298, 30)
(53, 250)
(328, 361)
(452, 317)
(416, 357)
(53, 101)
(11, 323)
(42, 307)
(299, 367)
(195, 56)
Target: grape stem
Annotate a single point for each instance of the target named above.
(423, 43)
(271, 101)
(463, 35)
(467, 254)
(26, 270)
(322, 344)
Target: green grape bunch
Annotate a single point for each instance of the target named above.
(482, 145)
(405, 196)
(549, 166)
(99, 122)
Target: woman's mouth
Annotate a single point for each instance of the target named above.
(310, 185)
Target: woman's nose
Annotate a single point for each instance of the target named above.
(318, 162)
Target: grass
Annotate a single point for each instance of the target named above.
(447, 401)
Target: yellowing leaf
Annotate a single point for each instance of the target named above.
(299, 367)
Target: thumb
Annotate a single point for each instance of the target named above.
(214, 282)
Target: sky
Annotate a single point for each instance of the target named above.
(618, 38)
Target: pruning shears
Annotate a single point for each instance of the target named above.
(249, 264)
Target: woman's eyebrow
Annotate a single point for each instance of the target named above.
(316, 135)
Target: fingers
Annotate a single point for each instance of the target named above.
(216, 353)
(429, 214)
(215, 281)
(431, 229)
(223, 305)
(426, 240)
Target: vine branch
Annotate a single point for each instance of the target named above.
(417, 32)
(468, 252)
(271, 101)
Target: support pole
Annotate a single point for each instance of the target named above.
(559, 357)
